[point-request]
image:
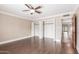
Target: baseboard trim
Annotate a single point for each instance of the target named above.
(78, 49)
(12, 40)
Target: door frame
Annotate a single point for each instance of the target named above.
(74, 31)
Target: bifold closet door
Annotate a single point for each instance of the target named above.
(35, 38)
(36, 30)
(49, 36)
(49, 31)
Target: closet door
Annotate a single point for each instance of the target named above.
(35, 39)
(49, 30)
(36, 33)
(36, 29)
(49, 35)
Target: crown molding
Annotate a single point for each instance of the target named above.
(42, 18)
(10, 14)
(57, 15)
(76, 9)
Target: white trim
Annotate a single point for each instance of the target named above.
(37, 19)
(57, 15)
(54, 16)
(12, 40)
(76, 8)
(10, 14)
(78, 49)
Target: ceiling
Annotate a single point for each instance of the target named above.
(47, 10)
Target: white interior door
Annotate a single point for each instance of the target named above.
(36, 29)
(49, 30)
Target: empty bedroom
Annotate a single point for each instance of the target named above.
(39, 28)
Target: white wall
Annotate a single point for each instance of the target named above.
(13, 27)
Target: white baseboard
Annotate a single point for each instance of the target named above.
(78, 49)
(12, 40)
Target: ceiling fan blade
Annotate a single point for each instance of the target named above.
(31, 6)
(38, 7)
(38, 12)
(26, 10)
(28, 5)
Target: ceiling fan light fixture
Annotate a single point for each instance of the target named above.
(32, 11)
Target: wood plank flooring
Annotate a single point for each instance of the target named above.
(34, 45)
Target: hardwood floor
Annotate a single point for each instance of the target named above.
(34, 45)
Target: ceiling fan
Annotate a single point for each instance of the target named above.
(32, 9)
